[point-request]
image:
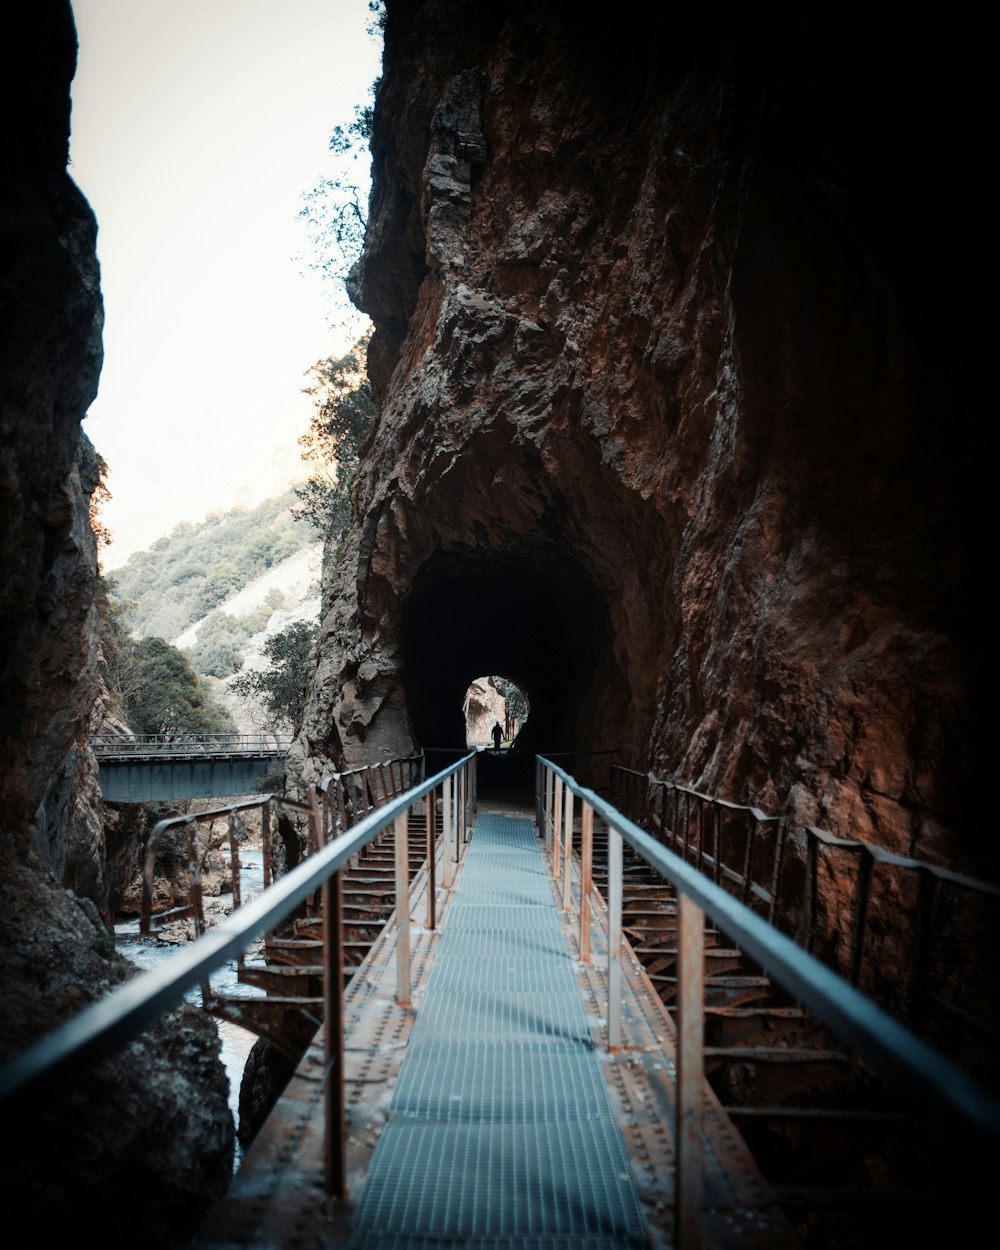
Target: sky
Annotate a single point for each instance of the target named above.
(197, 127)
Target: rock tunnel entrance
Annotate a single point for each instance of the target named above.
(537, 619)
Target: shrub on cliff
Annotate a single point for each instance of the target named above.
(281, 688)
(343, 414)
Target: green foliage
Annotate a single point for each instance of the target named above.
(343, 415)
(517, 703)
(335, 209)
(171, 852)
(281, 688)
(194, 569)
(173, 698)
(153, 687)
(100, 496)
(218, 651)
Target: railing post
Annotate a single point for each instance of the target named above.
(333, 1034)
(557, 804)
(402, 910)
(864, 889)
(549, 780)
(472, 799)
(690, 1070)
(459, 812)
(586, 876)
(265, 841)
(234, 866)
(927, 899)
(431, 820)
(614, 940)
(568, 850)
(717, 844)
(447, 854)
(750, 822)
(314, 840)
(467, 801)
(812, 887)
(773, 911)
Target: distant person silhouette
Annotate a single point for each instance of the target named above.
(497, 736)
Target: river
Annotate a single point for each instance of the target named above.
(147, 952)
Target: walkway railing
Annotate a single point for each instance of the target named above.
(936, 911)
(345, 799)
(147, 746)
(103, 1028)
(895, 1052)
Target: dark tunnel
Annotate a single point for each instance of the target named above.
(533, 618)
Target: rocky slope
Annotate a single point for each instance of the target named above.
(678, 399)
(148, 1142)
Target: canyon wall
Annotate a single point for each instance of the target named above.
(141, 1147)
(678, 390)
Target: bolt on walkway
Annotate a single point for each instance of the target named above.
(489, 1114)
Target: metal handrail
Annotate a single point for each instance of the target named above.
(791, 900)
(106, 1025)
(896, 1052)
(136, 745)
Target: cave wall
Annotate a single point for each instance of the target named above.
(674, 370)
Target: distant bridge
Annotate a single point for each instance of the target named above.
(147, 768)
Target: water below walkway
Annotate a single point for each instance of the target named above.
(149, 952)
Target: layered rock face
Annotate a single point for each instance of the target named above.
(147, 1142)
(49, 368)
(676, 411)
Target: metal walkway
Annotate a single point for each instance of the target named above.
(491, 1114)
(500, 1130)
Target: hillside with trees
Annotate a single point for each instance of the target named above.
(236, 594)
(236, 598)
(197, 567)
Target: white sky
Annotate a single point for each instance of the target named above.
(197, 125)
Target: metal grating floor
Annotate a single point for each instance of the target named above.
(500, 1133)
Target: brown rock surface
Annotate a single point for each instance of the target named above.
(144, 1146)
(677, 410)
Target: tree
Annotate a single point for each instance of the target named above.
(343, 415)
(335, 209)
(517, 703)
(172, 699)
(117, 645)
(281, 689)
(101, 495)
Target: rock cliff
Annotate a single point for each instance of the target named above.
(146, 1143)
(677, 388)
